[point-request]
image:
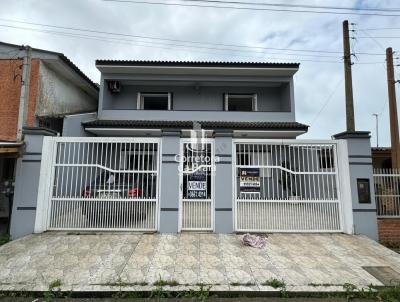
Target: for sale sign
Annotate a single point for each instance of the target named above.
(197, 185)
(249, 180)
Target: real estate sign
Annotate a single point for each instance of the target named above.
(197, 185)
(249, 180)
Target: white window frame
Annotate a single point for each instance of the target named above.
(142, 95)
(237, 95)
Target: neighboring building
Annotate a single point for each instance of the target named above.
(387, 190)
(37, 89)
(381, 157)
(200, 146)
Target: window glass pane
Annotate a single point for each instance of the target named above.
(157, 102)
(240, 103)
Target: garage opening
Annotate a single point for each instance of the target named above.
(104, 184)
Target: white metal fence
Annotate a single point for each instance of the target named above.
(286, 186)
(104, 184)
(387, 192)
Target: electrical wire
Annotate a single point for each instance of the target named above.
(251, 8)
(107, 39)
(298, 5)
(185, 41)
(327, 100)
(170, 40)
(172, 46)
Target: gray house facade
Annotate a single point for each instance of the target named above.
(199, 146)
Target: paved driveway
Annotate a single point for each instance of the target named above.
(115, 261)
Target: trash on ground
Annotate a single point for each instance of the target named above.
(254, 241)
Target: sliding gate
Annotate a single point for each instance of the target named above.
(286, 186)
(103, 184)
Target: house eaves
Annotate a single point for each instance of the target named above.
(198, 68)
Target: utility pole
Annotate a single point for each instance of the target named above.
(24, 95)
(394, 124)
(348, 78)
(376, 128)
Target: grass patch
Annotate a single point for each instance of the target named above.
(275, 283)
(161, 282)
(389, 294)
(4, 239)
(324, 284)
(55, 284)
(395, 246)
(242, 284)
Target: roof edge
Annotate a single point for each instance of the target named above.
(143, 63)
(62, 57)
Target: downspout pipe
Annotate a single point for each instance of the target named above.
(24, 95)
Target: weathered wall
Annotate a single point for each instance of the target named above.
(10, 91)
(58, 96)
(389, 230)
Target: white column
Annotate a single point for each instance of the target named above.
(45, 184)
(345, 187)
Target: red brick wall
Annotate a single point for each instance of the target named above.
(10, 88)
(389, 230)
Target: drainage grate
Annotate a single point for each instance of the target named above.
(384, 274)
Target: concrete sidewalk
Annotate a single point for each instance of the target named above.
(126, 261)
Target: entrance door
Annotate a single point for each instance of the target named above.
(197, 169)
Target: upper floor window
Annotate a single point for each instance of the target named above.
(240, 102)
(154, 101)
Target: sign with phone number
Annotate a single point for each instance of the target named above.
(249, 180)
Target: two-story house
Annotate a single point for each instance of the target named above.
(200, 146)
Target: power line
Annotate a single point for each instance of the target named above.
(298, 5)
(251, 8)
(379, 37)
(170, 44)
(175, 46)
(151, 44)
(121, 41)
(327, 100)
(381, 28)
(170, 40)
(183, 41)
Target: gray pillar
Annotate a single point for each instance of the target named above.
(223, 183)
(361, 173)
(27, 182)
(169, 184)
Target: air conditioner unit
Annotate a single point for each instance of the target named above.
(114, 86)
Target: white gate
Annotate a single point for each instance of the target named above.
(103, 184)
(197, 169)
(286, 186)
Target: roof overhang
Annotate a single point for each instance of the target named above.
(156, 128)
(197, 68)
(10, 148)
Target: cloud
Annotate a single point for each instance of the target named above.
(314, 83)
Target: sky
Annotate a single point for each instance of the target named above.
(319, 83)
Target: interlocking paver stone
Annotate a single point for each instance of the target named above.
(104, 261)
